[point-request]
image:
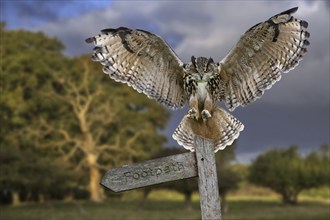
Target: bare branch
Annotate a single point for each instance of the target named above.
(103, 167)
(109, 147)
(135, 137)
(80, 164)
(85, 77)
(72, 151)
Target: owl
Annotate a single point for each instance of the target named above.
(149, 65)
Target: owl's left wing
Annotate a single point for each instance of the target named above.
(143, 61)
(262, 53)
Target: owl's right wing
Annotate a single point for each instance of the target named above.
(259, 57)
(143, 61)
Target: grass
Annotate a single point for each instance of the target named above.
(275, 210)
(113, 209)
(248, 202)
(164, 209)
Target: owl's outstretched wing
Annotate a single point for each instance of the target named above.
(142, 60)
(259, 57)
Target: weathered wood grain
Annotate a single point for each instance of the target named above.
(207, 179)
(175, 167)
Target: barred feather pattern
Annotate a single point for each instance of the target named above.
(142, 60)
(229, 128)
(261, 55)
(184, 134)
(222, 128)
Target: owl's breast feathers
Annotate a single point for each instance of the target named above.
(204, 89)
(201, 90)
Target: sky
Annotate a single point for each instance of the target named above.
(295, 111)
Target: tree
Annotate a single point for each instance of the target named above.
(288, 173)
(27, 61)
(99, 123)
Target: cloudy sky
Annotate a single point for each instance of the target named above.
(294, 111)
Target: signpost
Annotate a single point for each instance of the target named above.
(199, 164)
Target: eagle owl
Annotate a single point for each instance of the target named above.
(147, 63)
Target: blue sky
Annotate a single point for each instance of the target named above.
(294, 111)
(29, 14)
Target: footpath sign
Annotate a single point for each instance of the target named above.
(200, 163)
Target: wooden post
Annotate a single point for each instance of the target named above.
(208, 180)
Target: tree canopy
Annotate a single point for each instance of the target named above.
(288, 173)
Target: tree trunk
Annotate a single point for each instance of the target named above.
(41, 198)
(15, 198)
(290, 197)
(224, 204)
(69, 197)
(295, 198)
(94, 179)
(146, 192)
(187, 200)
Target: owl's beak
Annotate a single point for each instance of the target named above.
(201, 75)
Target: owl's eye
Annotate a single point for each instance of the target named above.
(194, 71)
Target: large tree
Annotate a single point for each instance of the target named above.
(99, 123)
(288, 173)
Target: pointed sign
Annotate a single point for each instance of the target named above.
(176, 167)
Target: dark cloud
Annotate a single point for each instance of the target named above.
(268, 125)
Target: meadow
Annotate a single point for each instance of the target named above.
(163, 204)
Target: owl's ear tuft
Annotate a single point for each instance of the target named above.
(290, 11)
(90, 40)
(193, 60)
(115, 30)
(209, 61)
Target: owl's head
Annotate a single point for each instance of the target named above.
(201, 68)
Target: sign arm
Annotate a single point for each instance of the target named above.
(150, 172)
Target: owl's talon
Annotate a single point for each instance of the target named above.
(192, 113)
(206, 114)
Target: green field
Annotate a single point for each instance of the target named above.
(164, 209)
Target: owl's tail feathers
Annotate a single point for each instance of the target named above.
(222, 128)
(184, 134)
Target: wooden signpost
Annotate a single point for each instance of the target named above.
(200, 163)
